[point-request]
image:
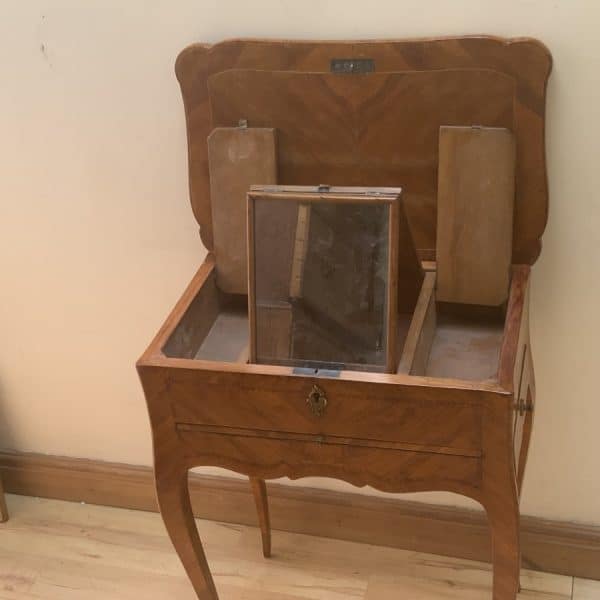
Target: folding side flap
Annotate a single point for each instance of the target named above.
(238, 158)
(476, 191)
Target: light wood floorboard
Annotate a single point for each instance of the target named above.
(584, 589)
(52, 550)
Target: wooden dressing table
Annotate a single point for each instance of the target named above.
(456, 415)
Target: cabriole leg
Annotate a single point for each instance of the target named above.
(176, 510)
(259, 489)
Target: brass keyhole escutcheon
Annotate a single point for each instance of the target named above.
(317, 401)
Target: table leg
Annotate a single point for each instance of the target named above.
(506, 555)
(500, 496)
(3, 509)
(176, 510)
(501, 502)
(259, 489)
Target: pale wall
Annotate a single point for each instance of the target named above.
(98, 240)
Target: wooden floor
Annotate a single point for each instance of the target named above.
(52, 550)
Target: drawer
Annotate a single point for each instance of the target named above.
(389, 470)
(410, 416)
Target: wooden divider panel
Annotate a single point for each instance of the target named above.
(476, 192)
(239, 157)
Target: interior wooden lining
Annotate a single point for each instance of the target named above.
(422, 328)
(464, 348)
(435, 342)
(195, 323)
(227, 339)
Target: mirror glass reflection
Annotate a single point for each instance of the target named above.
(320, 279)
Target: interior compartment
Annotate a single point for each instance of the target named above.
(365, 142)
(455, 341)
(436, 340)
(465, 348)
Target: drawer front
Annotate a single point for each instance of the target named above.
(383, 469)
(444, 420)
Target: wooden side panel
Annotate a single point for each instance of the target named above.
(422, 329)
(238, 158)
(516, 367)
(409, 270)
(476, 187)
(525, 60)
(3, 509)
(195, 323)
(524, 398)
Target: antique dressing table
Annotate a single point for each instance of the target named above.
(458, 124)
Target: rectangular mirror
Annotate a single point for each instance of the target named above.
(323, 276)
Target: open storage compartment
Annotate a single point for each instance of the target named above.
(436, 340)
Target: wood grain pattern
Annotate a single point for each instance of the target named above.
(238, 157)
(330, 440)
(379, 129)
(354, 410)
(422, 329)
(586, 590)
(518, 373)
(516, 329)
(3, 508)
(476, 188)
(526, 61)
(176, 510)
(275, 331)
(410, 271)
(71, 551)
(389, 470)
(259, 490)
(551, 546)
(500, 498)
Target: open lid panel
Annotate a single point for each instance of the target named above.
(388, 111)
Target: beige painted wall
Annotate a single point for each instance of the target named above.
(97, 239)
